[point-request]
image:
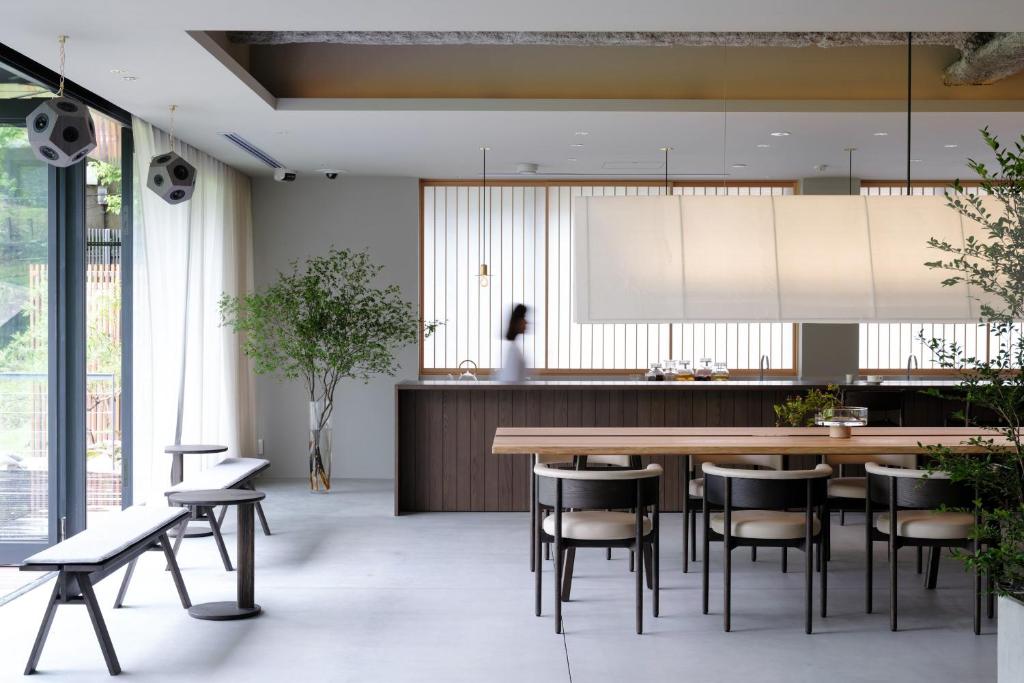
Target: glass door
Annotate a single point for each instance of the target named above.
(26, 523)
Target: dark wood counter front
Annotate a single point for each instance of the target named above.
(445, 429)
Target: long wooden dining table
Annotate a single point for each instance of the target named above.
(711, 441)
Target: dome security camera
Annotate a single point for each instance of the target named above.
(330, 173)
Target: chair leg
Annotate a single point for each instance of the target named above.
(649, 565)
(123, 590)
(44, 628)
(657, 582)
(179, 583)
(931, 579)
(727, 587)
(570, 561)
(869, 565)
(705, 564)
(608, 554)
(537, 566)
(632, 561)
(808, 585)
(98, 625)
(753, 553)
(686, 541)
(219, 539)
(893, 573)
(920, 559)
(639, 580)
(693, 535)
(558, 586)
(824, 576)
(842, 518)
(785, 559)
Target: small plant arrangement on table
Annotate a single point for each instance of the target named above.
(800, 411)
(324, 322)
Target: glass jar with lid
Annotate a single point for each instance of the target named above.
(720, 373)
(683, 372)
(654, 373)
(669, 369)
(704, 371)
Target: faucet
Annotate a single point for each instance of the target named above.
(764, 364)
(911, 360)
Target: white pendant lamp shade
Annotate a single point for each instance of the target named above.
(765, 259)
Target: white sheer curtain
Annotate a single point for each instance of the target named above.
(202, 247)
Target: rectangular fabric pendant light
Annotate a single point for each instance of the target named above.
(767, 259)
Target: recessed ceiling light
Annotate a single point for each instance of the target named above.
(951, 146)
(129, 78)
(117, 71)
(571, 159)
(576, 144)
(763, 146)
(916, 161)
(582, 132)
(739, 165)
(879, 135)
(781, 134)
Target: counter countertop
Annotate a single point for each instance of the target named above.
(748, 384)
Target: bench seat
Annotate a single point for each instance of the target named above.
(115, 534)
(90, 556)
(226, 474)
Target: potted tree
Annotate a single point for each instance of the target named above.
(324, 322)
(993, 264)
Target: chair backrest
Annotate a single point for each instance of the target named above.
(612, 460)
(916, 489)
(766, 489)
(763, 460)
(598, 489)
(892, 459)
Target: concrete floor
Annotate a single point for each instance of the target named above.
(351, 593)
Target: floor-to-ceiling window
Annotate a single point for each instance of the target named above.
(24, 343)
(527, 244)
(62, 354)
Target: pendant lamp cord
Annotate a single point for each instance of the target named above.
(725, 119)
(849, 177)
(173, 108)
(485, 216)
(910, 45)
(61, 40)
(667, 191)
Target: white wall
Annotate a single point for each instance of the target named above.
(295, 220)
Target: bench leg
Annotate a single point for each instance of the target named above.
(219, 539)
(123, 590)
(177, 539)
(44, 628)
(98, 625)
(263, 519)
(223, 513)
(172, 562)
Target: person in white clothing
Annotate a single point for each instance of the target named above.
(513, 369)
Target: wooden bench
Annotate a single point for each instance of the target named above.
(229, 473)
(87, 558)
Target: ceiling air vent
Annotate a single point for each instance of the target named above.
(252, 150)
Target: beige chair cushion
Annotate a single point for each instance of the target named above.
(766, 524)
(596, 525)
(848, 487)
(928, 524)
(697, 487)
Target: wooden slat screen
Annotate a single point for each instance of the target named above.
(530, 255)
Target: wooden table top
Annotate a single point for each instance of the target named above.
(719, 440)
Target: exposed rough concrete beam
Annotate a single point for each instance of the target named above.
(961, 41)
(1000, 57)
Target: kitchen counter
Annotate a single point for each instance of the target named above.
(445, 427)
(745, 384)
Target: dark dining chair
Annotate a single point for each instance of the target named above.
(921, 501)
(766, 508)
(586, 507)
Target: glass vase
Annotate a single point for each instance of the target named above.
(320, 442)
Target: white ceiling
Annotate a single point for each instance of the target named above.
(150, 42)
